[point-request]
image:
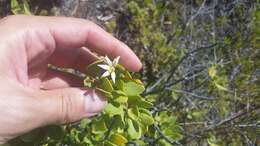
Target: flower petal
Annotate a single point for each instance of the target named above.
(105, 74)
(115, 61)
(113, 76)
(104, 66)
(108, 61)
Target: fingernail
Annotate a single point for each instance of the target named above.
(94, 102)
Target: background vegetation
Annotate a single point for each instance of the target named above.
(201, 64)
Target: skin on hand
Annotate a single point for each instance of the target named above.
(32, 95)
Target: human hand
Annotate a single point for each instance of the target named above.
(32, 95)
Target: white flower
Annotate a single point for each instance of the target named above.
(110, 68)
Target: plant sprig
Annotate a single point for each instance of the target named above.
(126, 117)
(126, 108)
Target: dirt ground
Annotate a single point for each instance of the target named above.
(98, 11)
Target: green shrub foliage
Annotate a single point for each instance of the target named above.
(201, 71)
(126, 118)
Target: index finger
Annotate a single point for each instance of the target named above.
(74, 33)
(43, 35)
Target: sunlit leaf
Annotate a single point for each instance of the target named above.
(15, 7)
(105, 84)
(84, 123)
(113, 110)
(108, 143)
(26, 8)
(144, 104)
(133, 89)
(133, 129)
(211, 143)
(87, 82)
(118, 93)
(121, 99)
(133, 113)
(220, 87)
(107, 94)
(146, 119)
(212, 71)
(118, 139)
(99, 127)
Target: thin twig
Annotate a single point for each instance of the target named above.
(193, 94)
(198, 12)
(156, 127)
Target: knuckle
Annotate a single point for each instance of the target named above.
(67, 107)
(92, 26)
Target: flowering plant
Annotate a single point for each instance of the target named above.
(126, 116)
(125, 119)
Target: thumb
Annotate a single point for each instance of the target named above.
(71, 104)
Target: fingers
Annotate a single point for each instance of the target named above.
(78, 32)
(106, 44)
(70, 104)
(43, 36)
(24, 109)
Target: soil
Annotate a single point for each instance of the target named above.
(98, 11)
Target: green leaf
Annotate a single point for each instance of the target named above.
(146, 119)
(15, 7)
(212, 141)
(144, 104)
(93, 70)
(84, 123)
(99, 127)
(87, 141)
(128, 75)
(119, 96)
(220, 87)
(132, 88)
(138, 82)
(119, 123)
(171, 128)
(112, 110)
(118, 93)
(145, 111)
(212, 71)
(107, 94)
(133, 100)
(122, 70)
(119, 84)
(133, 113)
(121, 99)
(105, 84)
(173, 133)
(108, 143)
(133, 130)
(87, 82)
(118, 139)
(144, 128)
(26, 8)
